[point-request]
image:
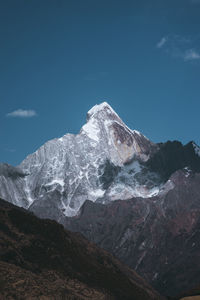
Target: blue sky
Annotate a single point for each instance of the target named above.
(59, 58)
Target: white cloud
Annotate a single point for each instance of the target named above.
(180, 47)
(191, 54)
(21, 113)
(162, 42)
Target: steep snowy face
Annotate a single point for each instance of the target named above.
(122, 143)
(91, 165)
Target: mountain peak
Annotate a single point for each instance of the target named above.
(99, 107)
(99, 118)
(102, 110)
(104, 126)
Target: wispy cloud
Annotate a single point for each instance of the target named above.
(191, 54)
(22, 113)
(180, 47)
(162, 42)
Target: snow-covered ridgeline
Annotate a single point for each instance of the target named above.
(71, 169)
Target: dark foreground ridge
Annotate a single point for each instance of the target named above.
(39, 259)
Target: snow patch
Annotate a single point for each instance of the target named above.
(69, 212)
(125, 192)
(188, 171)
(196, 149)
(97, 193)
(137, 132)
(28, 192)
(91, 130)
(99, 107)
(56, 181)
(134, 166)
(153, 192)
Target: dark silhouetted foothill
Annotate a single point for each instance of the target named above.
(39, 259)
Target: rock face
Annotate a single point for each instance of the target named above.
(159, 237)
(12, 185)
(173, 156)
(41, 260)
(88, 166)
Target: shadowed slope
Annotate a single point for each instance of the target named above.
(39, 258)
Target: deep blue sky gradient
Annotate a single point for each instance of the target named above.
(61, 57)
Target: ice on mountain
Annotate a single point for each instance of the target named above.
(100, 107)
(91, 130)
(97, 193)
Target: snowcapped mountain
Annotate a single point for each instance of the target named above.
(89, 165)
(104, 162)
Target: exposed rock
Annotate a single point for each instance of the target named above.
(173, 156)
(159, 237)
(12, 185)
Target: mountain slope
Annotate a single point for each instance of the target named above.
(39, 258)
(158, 237)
